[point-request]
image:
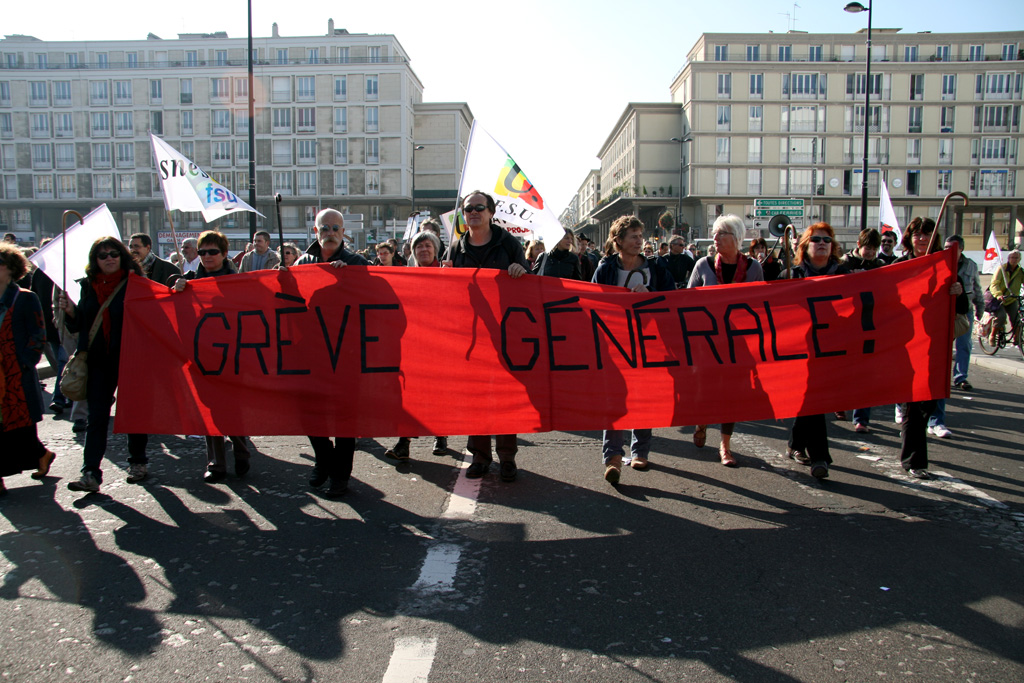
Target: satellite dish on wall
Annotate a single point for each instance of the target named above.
(777, 225)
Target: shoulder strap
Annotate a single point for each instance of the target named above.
(99, 315)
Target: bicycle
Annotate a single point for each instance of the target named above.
(1002, 338)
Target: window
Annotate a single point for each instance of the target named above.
(371, 88)
(946, 152)
(994, 150)
(800, 150)
(125, 126)
(281, 89)
(725, 85)
(221, 153)
(67, 187)
(946, 119)
(222, 57)
(722, 147)
(191, 58)
(805, 86)
(282, 152)
(38, 94)
(721, 181)
(11, 189)
(374, 54)
(757, 85)
(341, 182)
(156, 122)
(976, 53)
(914, 151)
(125, 154)
(785, 53)
(241, 122)
(917, 86)
(307, 182)
(186, 123)
(62, 93)
(753, 53)
(241, 89)
(754, 150)
(40, 125)
(997, 85)
(949, 86)
(343, 55)
(305, 88)
(65, 154)
(373, 182)
(913, 183)
(914, 116)
(341, 151)
(156, 91)
(803, 118)
(63, 125)
(306, 151)
(125, 184)
(282, 56)
(372, 151)
(814, 53)
(283, 182)
(313, 55)
(945, 182)
(997, 119)
(756, 122)
(910, 53)
(721, 53)
(242, 153)
(340, 88)
(372, 119)
(99, 93)
(724, 118)
(6, 126)
(340, 120)
(754, 181)
(282, 121)
(186, 91)
(122, 92)
(1009, 53)
(220, 89)
(100, 124)
(72, 60)
(305, 119)
(242, 181)
(102, 61)
(5, 93)
(221, 122)
(42, 186)
(103, 186)
(101, 155)
(942, 53)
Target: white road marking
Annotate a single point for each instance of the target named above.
(437, 575)
(411, 660)
(462, 501)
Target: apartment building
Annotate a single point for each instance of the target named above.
(336, 119)
(782, 115)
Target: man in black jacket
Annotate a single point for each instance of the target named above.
(155, 268)
(677, 261)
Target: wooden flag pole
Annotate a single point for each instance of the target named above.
(64, 244)
(174, 238)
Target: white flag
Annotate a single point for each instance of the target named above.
(886, 215)
(521, 208)
(187, 187)
(993, 255)
(79, 239)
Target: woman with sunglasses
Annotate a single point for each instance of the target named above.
(817, 254)
(289, 254)
(105, 281)
(213, 262)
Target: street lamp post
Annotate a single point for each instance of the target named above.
(679, 202)
(412, 197)
(855, 7)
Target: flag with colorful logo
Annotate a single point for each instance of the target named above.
(187, 187)
(886, 214)
(993, 255)
(521, 208)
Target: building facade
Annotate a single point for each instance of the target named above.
(336, 119)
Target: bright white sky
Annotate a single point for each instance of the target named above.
(548, 79)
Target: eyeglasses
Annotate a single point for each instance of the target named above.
(101, 255)
(209, 252)
(474, 207)
(819, 238)
(330, 228)
(888, 242)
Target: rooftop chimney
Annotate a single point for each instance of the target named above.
(330, 27)
(273, 31)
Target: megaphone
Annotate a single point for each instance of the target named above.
(777, 225)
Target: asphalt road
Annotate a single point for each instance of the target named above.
(689, 571)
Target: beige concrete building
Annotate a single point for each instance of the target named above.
(336, 124)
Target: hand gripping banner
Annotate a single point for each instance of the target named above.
(371, 351)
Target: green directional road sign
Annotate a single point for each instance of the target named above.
(762, 212)
(779, 203)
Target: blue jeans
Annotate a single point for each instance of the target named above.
(862, 416)
(614, 439)
(962, 356)
(938, 415)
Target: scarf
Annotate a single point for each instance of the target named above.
(104, 286)
(147, 263)
(741, 268)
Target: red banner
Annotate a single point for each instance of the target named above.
(363, 351)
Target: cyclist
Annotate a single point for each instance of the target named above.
(1005, 287)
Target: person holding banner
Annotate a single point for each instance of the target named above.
(728, 266)
(101, 307)
(487, 245)
(213, 252)
(22, 337)
(561, 261)
(625, 266)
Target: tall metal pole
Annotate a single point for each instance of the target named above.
(252, 137)
(867, 128)
(412, 197)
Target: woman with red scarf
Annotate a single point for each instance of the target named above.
(727, 266)
(106, 278)
(22, 336)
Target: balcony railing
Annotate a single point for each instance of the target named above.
(188, 64)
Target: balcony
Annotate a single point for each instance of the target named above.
(65, 163)
(40, 132)
(282, 159)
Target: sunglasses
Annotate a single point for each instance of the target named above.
(330, 228)
(101, 255)
(819, 238)
(209, 252)
(480, 208)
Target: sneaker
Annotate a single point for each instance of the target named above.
(79, 425)
(819, 470)
(508, 471)
(963, 386)
(898, 415)
(919, 473)
(400, 451)
(478, 469)
(861, 428)
(799, 456)
(940, 431)
(136, 473)
(440, 445)
(840, 415)
(317, 477)
(212, 477)
(87, 482)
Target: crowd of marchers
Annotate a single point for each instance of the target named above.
(37, 318)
